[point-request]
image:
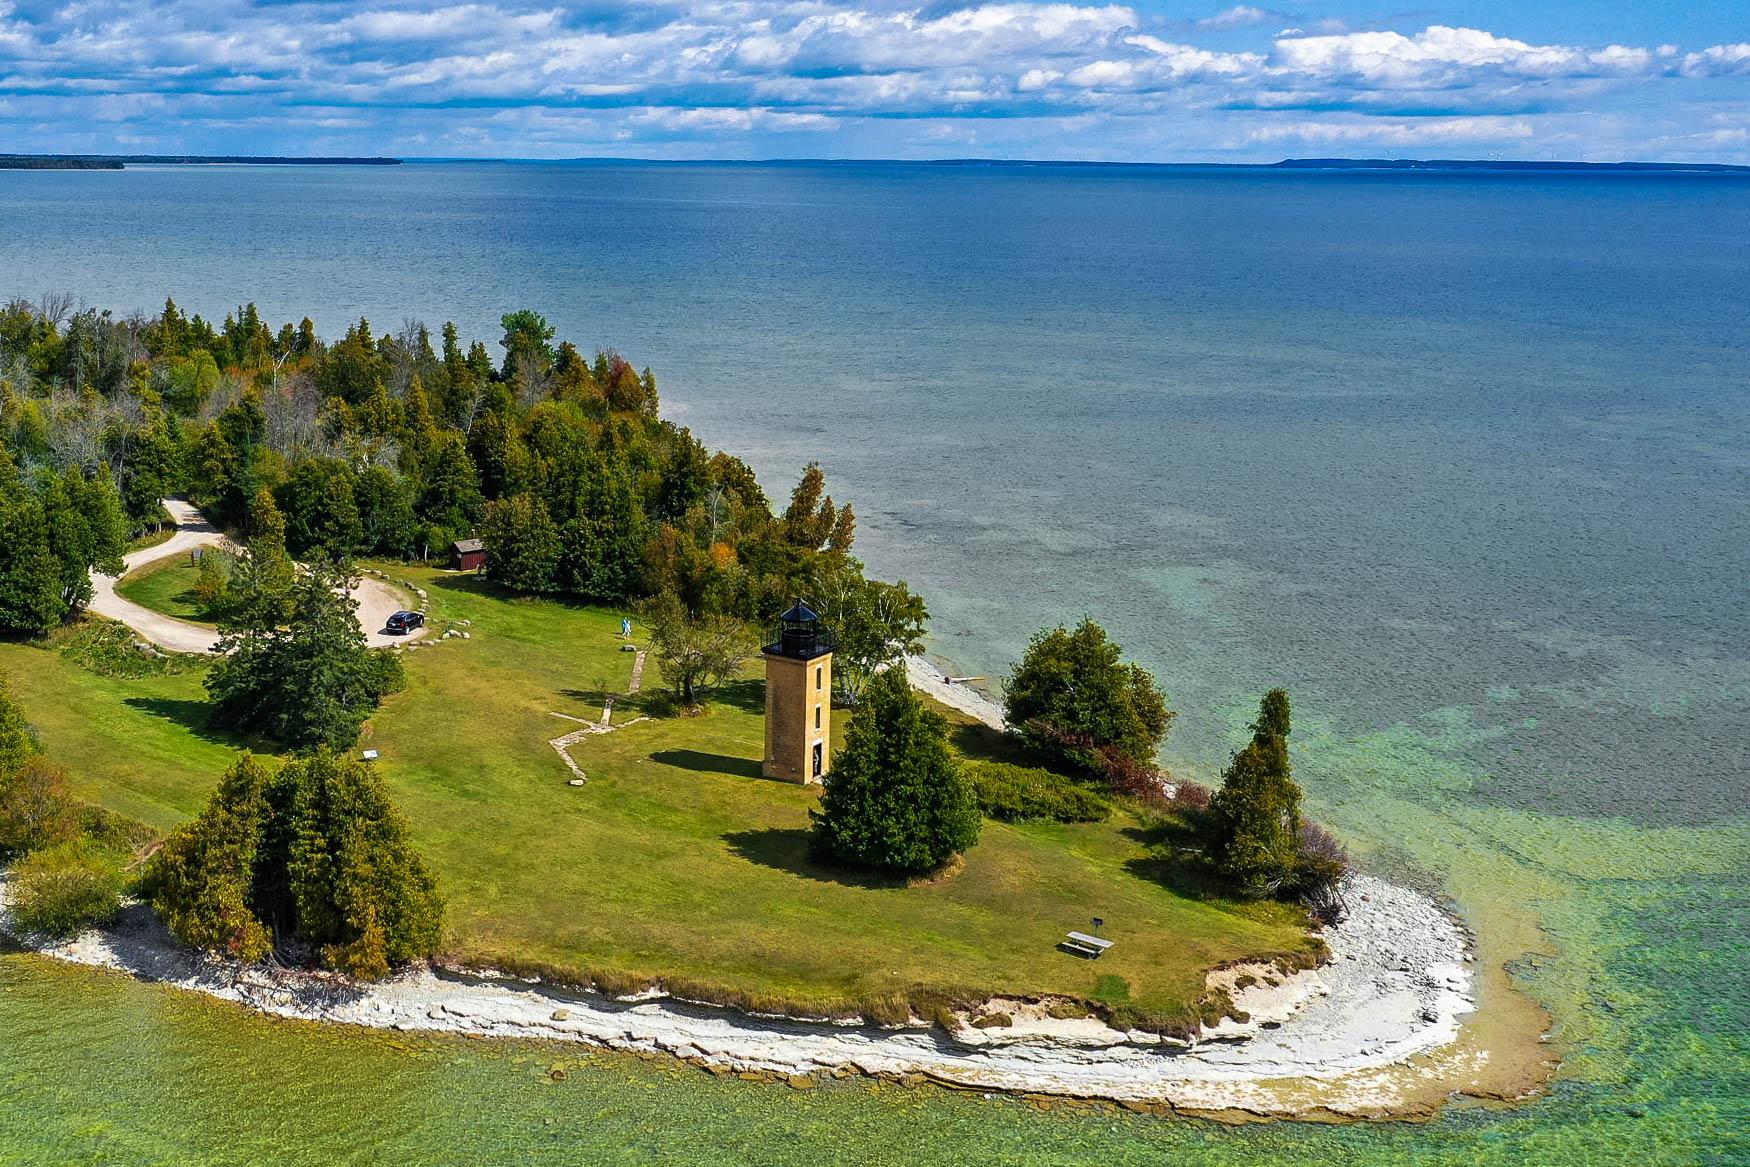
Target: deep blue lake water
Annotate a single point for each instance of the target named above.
(1463, 461)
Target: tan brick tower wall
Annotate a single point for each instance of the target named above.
(798, 717)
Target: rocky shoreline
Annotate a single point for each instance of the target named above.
(1397, 985)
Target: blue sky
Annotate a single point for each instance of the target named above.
(1142, 81)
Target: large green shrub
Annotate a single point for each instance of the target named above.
(35, 809)
(895, 798)
(202, 881)
(17, 738)
(317, 851)
(1073, 698)
(1016, 794)
(66, 888)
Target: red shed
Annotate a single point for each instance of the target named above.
(468, 554)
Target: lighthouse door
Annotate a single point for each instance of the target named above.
(817, 759)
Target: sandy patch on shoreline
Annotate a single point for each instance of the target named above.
(927, 678)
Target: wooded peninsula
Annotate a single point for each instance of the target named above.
(300, 795)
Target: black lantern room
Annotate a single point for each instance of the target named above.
(800, 634)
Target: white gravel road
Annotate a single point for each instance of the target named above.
(376, 599)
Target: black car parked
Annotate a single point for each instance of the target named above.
(406, 621)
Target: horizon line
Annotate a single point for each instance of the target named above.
(1290, 163)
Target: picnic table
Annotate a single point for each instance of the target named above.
(1082, 944)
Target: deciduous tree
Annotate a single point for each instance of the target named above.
(1073, 697)
(695, 653)
(873, 624)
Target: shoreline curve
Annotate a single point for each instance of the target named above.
(1352, 1030)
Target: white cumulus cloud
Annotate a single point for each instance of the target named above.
(1084, 78)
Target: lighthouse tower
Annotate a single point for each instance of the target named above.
(798, 698)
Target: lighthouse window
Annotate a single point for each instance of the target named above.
(817, 717)
(817, 673)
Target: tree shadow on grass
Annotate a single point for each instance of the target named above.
(194, 716)
(591, 701)
(978, 742)
(467, 581)
(712, 763)
(747, 695)
(593, 697)
(1175, 860)
(787, 849)
(656, 700)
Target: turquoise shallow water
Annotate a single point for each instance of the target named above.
(1463, 461)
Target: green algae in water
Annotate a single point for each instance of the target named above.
(97, 1067)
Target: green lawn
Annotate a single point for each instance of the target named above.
(677, 859)
(166, 586)
(137, 746)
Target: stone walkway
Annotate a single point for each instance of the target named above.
(562, 744)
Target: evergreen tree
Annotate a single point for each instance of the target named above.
(243, 423)
(358, 887)
(306, 344)
(150, 475)
(320, 510)
(312, 682)
(30, 574)
(257, 594)
(353, 369)
(685, 477)
(522, 544)
(895, 797)
(317, 851)
(385, 510)
(418, 426)
(1255, 816)
(809, 519)
(450, 499)
(498, 455)
(171, 332)
(603, 546)
(202, 881)
(211, 465)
